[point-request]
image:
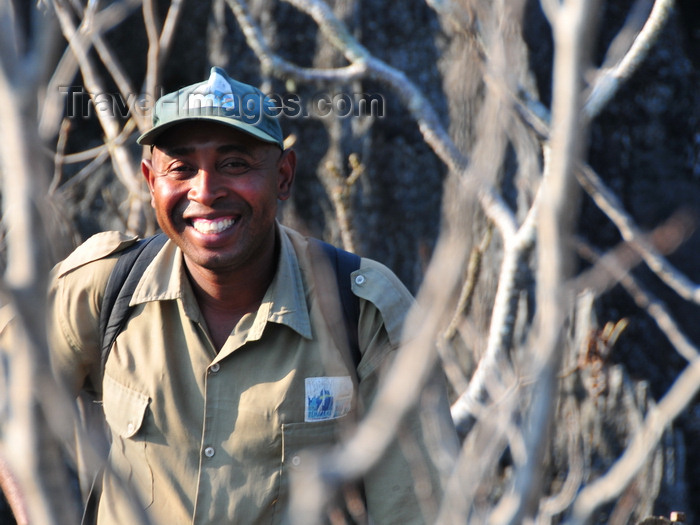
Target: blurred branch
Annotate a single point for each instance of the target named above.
(617, 265)
(517, 246)
(168, 31)
(153, 61)
(13, 491)
(122, 160)
(101, 22)
(611, 206)
(557, 503)
(362, 65)
(374, 433)
(610, 80)
(29, 446)
(643, 442)
(338, 188)
(476, 463)
(557, 216)
(159, 43)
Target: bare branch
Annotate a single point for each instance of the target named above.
(517, 246)
(121, 158)
(168, 31)
(153, 61)
(363, 64)
(555, 260)
(612, 207)
(103, 21)
(618, 266)
(610, 81)
(415, 359)
(271, 63)
(550, 8)
(636, 454)
(338, 188)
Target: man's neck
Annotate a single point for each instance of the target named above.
(225, 297)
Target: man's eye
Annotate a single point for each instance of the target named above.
(181, 170)
(236, 166)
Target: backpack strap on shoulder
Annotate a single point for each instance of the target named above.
(343, 264)
(121, 285)
(135, 259)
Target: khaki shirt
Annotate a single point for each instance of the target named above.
(207, 437)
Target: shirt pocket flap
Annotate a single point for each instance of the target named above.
(124, 408)
(299, 439)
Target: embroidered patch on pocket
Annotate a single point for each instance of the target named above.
(327, 397)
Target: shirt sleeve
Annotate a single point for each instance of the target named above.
(406, 485)
(75, 294)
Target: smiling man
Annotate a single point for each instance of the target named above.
(228, 367)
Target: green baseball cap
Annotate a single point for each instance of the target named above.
(219, 99)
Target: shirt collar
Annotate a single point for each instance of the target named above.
(284, 302)
(285, 299)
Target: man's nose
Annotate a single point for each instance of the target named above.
(206, 186)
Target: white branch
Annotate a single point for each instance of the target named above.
(609, 203)
(621, 473)
(362, 64)
(612, 79)
(122, 161)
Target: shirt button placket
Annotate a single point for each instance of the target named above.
(210, 451)
(207, 451)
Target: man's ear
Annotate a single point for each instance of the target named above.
(149, 175)
(286, 168)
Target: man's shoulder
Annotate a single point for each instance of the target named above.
(376, 283)
(371, 281)
(97, 247)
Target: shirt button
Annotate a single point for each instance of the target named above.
(130, 427)
(215, 368)
(296, 461)
(360, 280)
(209, 452)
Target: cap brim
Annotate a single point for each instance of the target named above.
(149, 138)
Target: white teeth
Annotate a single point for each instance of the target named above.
(206, 226)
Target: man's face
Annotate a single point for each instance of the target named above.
(215, 192)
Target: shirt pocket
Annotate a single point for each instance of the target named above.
(301, 440)
(125, 412)
(310, 437)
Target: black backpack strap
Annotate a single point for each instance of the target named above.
(343, 264)
(133, 261)
(121, 285)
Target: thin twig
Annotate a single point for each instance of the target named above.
(606, 200)
(122, 161)
(168, 32)
(610, 81)
(619, 270)
(152, 57)
(363, 64)
(555, 259)
(611, 485)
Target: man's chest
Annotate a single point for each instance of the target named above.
(255, 382)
